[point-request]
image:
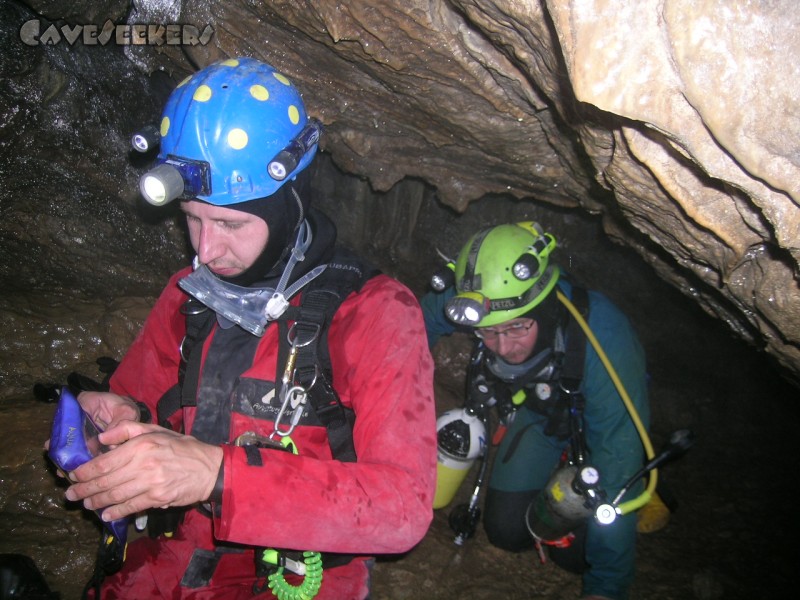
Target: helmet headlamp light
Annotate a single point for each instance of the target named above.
(471, 308)
(530, 264)
(444, 277)
(175, 178)
(287, 159)
(526, 267)
(468, 308)
(146, 138)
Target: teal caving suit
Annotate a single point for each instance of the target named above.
(527, 456)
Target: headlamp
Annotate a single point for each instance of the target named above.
(146, 138)
(175, 178)
(526, 267)
(467, 308)
(529, 265)
(287, 159)
(470, 308)
(443, 278)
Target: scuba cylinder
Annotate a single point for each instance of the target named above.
(461, 436)
(462, 433)
(570, 497)
(573, 495)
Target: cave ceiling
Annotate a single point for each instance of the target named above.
(676, 121)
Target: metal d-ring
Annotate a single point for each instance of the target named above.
(291, 336)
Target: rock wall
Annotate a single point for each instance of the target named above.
(675, 120)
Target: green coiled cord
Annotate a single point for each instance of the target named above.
(312, 580)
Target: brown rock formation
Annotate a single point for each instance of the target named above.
(674, 119)
(684, 111)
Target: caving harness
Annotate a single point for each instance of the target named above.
(304, 380)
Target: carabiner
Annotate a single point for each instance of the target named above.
(295, 397)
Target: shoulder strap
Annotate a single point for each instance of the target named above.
(319, 302)
(572, 372)
(199, 322)
(312, 367)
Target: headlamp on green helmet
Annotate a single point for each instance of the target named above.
(501, 274)
(444, 277)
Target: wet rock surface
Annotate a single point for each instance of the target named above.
(675, 123)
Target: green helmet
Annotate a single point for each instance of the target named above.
(501, 274)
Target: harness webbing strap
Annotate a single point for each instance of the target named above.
(319, 302)
(572, 372)
(199, 322)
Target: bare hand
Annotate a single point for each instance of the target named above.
(151, 467)
(107, 410)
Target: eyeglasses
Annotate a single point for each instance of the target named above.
(513, 331)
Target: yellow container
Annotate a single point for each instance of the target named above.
(450, 474)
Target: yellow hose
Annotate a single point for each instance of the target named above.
(645, 496)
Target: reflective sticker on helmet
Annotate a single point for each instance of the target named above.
(237, 139)
(259, 92)
(294, 114)
(202, 93)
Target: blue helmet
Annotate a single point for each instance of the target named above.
(234, 131)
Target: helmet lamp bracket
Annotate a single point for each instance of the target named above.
(195, 173)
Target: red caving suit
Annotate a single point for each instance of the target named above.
(381, 504)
